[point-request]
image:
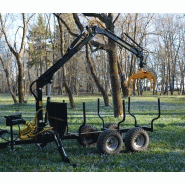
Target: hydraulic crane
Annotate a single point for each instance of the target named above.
(76, 45)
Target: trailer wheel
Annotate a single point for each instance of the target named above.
(112, 126)
(136, 140)
(89, 139)
(110, 142)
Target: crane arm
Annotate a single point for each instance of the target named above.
(75, 46)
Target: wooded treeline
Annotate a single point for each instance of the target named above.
(31, 43)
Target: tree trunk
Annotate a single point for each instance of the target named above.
(20, 80)
(183, 89)
(8, 81)
(112, 54)
(97, 81)
(122, 78)
(116, 95)
(72, 103)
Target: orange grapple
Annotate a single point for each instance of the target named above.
(141, 74)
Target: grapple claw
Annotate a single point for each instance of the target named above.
(141, 74)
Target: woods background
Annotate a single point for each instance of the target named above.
(31, 43)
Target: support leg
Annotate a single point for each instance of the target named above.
(60, 147)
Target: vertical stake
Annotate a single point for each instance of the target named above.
(99, 113)
(130, 112)
(11, 132)
(84, 115)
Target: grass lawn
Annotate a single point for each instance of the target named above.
(166, 151)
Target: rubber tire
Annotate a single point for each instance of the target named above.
(112, 126)
(102, 140)
(89, 140)
(132, 135)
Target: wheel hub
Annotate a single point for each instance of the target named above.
(139, 141)
(112, 143)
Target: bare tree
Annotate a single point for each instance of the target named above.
(100, 87)
(97, 81)
(72, 103)
(169, 43)
(7, 73)
(18, 54)
(111, 49)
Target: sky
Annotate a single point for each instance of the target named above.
(13, 26)
(95, 6)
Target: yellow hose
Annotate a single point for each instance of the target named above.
(28, 132)
(92, 22)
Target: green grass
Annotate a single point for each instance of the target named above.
(166, 151)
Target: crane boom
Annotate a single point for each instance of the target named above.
(75, 46)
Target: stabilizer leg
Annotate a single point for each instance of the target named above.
(61, 147)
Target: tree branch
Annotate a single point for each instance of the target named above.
(68, 28)
(6, 38)
(77, 21)
(25, 25)
(24, 33)
(30, 18)
(116, 18)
